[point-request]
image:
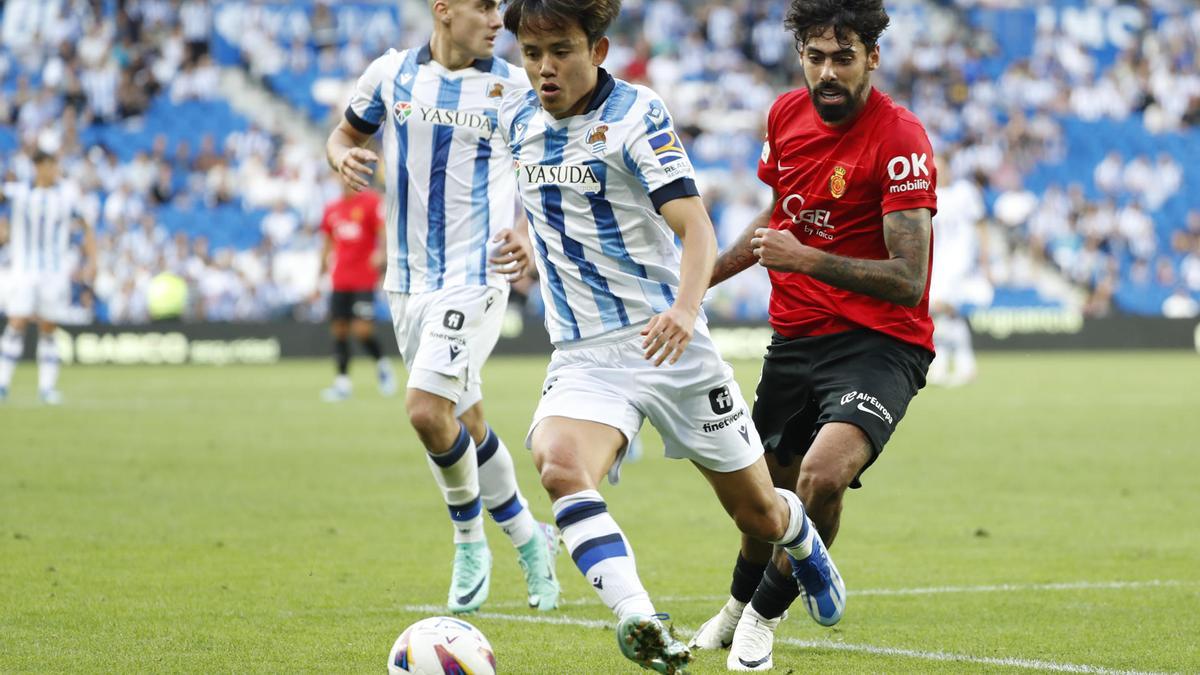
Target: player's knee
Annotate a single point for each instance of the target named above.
(430, 416)
(559, 472)
(764, 521)
(819, 486)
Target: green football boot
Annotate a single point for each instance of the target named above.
(647, 642)
(536, 557)
(472, 573)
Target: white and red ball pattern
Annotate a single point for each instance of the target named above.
(441, 645)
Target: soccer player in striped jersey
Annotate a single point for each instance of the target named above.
(452, 248)
(608, 187)
(42, 216)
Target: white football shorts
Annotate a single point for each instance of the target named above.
(44, 296)
(695, 404)
(445, 337)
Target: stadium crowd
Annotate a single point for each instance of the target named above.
(1114, 232)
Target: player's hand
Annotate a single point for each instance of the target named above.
(354, 168)
(668, 335)
(512, 254)
(778, 250)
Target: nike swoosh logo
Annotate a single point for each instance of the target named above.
(464, 599)
(868, 410)
(785, 168)
(755, 664)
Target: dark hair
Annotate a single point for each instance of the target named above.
(866, 18)
(593, 16)
(40, 156)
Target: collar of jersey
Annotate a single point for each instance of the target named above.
(425, 55)
(604, 87)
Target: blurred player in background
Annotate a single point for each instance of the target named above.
(847, 243)
(43, 215)
(353, 227)
(608, 188)
(453, 247)
(958, 277)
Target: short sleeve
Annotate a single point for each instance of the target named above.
(906, 172)
(768, 162)
(367, 111)
(658, 157)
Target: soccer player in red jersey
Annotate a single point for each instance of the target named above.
(848, 245)
(353, 227)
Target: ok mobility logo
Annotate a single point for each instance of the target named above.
(876, 408)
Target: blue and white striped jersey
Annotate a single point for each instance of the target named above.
(592, 185)
(40, 223)
(450, 185)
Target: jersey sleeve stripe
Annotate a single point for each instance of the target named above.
(449, 92)
(632, 165)
(678, 189)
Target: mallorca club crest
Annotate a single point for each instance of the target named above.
(837, 182)
(597, 140)
(403, 111)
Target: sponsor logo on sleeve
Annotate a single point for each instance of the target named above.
(909, 173)
(766, 152)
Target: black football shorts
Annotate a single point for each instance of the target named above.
(347, 305)
(861, 377)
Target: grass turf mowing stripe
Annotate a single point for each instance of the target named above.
(879, 592)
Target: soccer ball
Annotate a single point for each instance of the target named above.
(441, 645)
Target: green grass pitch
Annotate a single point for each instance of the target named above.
(225, 520)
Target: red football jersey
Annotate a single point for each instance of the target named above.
(353, 224)
(834, 185)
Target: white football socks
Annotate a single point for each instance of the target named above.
(47, 356)
(601, 552)
(456, 473)
(12, 344)
(499, 492)
(798, 538)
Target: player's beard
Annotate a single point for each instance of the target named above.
(838, 112)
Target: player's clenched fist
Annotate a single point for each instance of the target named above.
(778, 250)
(355, 167)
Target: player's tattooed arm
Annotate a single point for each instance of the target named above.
(899, 279)
(740, 256)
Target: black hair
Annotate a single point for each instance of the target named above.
(593, 16)
(865, 18)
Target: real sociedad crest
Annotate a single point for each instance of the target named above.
(837, 182)
(403, 111)
(597, 140)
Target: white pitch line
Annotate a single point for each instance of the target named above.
(883, 592)
(1010, 662)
